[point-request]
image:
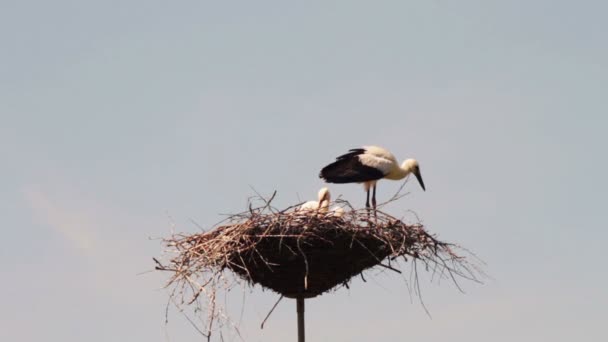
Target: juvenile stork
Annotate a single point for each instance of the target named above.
(321, 205)
(367, 165)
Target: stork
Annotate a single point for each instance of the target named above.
(321, 205)
(367, 165)
(336, 212)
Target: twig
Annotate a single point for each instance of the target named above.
(389, 267)
(269, 313)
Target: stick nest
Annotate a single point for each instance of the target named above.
(302, 254)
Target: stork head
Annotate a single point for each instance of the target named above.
(411, 165)
(324, 197)
(338, 212)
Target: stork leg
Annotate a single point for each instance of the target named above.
(374, 204)
(367, 200)
(374, 197)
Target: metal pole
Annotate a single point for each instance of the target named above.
(300, 309)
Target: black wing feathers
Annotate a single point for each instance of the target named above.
(352, 153)
(348, 169)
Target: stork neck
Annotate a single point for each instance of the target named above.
(398, 173)
(324, 205)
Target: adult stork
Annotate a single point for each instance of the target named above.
(367, 165)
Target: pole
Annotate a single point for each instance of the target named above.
(300, 309)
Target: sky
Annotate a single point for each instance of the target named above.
(124, 120)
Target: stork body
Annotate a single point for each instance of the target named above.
(336, 211)
(367, 165)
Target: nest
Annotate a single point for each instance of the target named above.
(300, 254)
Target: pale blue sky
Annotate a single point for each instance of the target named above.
(117, 115)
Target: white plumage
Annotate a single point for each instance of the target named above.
(336, 211)
(367, 165)
(322, 205)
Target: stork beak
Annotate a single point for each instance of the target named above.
(419, 178)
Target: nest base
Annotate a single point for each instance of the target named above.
(309, 263)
